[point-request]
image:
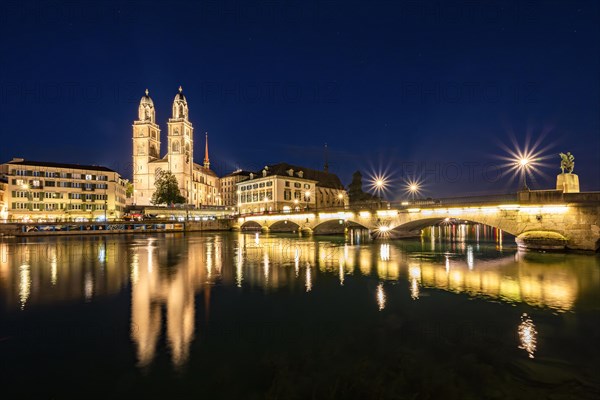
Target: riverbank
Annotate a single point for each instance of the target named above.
(102, 228)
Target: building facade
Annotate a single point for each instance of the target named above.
(3, 204)
(47, 191)
(288, 188)
(198, 184)
(229, 187)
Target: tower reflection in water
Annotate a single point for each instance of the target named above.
(169, 276)
(169, 273)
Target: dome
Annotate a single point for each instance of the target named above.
(146, 100)
(180, 107)
(146, 109)
(179, 97)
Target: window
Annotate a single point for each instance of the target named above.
(306, 186)
(287, 183)
(297, 185)
(262, 185)
(270, 183)
(287, 195)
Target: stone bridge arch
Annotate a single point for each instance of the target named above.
(416, 224)
(284, 226)
(251, 226)
(334, 226)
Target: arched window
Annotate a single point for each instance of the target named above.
(175, 146)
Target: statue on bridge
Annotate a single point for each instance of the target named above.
(567, 162)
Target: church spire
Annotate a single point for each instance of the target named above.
(206, 159)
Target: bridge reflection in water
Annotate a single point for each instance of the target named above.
(173, 274)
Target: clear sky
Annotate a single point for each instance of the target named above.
(437, 90)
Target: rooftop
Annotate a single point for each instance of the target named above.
(324, 179)
(20, 161)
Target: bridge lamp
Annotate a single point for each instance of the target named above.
(523, 164)
(413, 187)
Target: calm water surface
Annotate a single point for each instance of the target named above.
(248, 316)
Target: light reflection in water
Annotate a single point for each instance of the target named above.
(470, 258)
(88, 289)
(380, 297)
(266, 267)
(168, 273)
(53, 267)
(527, 335)
(308, 282)
(414, 273)
(24, 284)
(239, 271)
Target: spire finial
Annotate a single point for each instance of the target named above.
(147, 92)
(180, 89)
(206, 159)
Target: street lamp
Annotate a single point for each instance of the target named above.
(523, 164)
(413, 188)
(379, 184)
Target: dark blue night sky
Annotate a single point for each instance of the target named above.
(436, 90)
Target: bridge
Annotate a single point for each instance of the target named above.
(540, 219)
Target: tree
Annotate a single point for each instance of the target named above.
(129, 190)
(167, 189)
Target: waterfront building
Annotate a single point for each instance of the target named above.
(198, 184)
(229, 188)
(285, 188)
(50, 191)
(3, 204)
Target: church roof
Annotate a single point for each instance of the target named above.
(61, 165)
(146, 99)
(207, 171)
(324, 179)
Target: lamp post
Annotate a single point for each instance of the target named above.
(523, 164)
(379, 185)
(413, 188)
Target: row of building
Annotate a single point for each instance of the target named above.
(34, 190)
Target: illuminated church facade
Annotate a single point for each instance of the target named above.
(198, 184)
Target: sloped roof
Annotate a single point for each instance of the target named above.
(207, 171)
(324, 179)
(241, 172)
(61, 165)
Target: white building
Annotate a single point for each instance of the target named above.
(55, 191)
(286, 188)
(197, 183)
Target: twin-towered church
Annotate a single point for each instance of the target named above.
(197, 183)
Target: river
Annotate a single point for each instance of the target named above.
(249, 315)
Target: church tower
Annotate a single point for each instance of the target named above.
(146, 148)
(181, 145)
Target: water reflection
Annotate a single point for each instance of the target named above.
(527, 335)
(380, 297)
(172, 274)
